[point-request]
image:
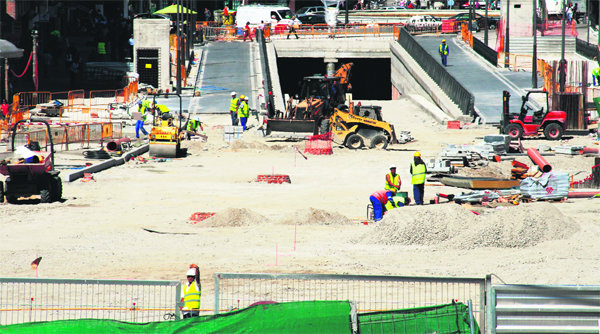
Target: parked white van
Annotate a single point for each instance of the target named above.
(256, 13)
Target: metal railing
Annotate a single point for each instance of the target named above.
(485, 51)
(370, 293)
(588, 50)
(455, 91)
(31, 299)
(544, 309)
(264, 63)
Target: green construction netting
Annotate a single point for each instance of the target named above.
(298, 317)
(440, 319)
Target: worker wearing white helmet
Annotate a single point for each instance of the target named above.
(192, 291)
(193, 126)
(392, 180)
(233, 108)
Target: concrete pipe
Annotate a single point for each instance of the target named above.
(115, 144)
(537, 158)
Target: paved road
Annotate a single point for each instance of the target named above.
(225, 68)
(485, 82)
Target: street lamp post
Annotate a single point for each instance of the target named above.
(485, 35)
(534, 63)
(507, 35)
(562, 66)
(178, 51)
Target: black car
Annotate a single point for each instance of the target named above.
(311, 18)
(479, 19)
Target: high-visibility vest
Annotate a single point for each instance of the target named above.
(191, 296)
(162, 108)
(444, 49)
(395, 180)
(418, 173)
(234, 104)
(101, 48)
(243, 110)
(397, 199)
(596, 72)
(192, 125)
(144, 109)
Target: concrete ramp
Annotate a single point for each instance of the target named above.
(483, 80)
(225, 68)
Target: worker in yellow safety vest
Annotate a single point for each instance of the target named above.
(233, 108)
(101, 48)
(193, 125)
(596, 76)
(192, 291)
(444, 50)
(143, 107)
(243, 112)
(418, 171)
(392, 180)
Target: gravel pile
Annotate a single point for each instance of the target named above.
(233, 217)
(452, 226)
(313, 216)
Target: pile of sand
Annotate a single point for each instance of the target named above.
(452, 226)
(313, 216)
(233, 217)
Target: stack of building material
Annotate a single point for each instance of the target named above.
(550, 186)
(519, 170)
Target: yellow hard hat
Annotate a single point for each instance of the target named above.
(417, 154)
(242, 97)
(443, 41)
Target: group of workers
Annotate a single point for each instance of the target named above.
(385, 200)
(238, 109)
(162, 112)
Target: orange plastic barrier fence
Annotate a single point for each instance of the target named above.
(31, 99)
(76, 97)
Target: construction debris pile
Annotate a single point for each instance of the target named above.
(457, 227)
(234, 217)
(312, 216)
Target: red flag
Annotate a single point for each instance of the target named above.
(36, 263)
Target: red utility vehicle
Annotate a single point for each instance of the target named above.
(532, 120)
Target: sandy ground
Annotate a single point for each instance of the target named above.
(98, 230)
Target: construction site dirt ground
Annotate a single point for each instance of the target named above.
(100, 229)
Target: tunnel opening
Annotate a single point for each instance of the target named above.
(370, 77)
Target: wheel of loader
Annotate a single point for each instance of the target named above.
(553, 131)
(56, 188)
(324, 126)
(354, 142)
(45, 195)
(379, 142)
(515, 131)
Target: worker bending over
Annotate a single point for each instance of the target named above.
(379, 199)
(143, 107)
(193, 126)
(392, 180)
(418, 171)
(192, 291)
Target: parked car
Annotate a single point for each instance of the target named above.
(312, 18)
(423, 21)
(311, 10)
(479, 20)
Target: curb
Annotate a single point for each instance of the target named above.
(108, 163)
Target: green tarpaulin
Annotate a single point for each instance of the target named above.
(298, 317)
(442, 319)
